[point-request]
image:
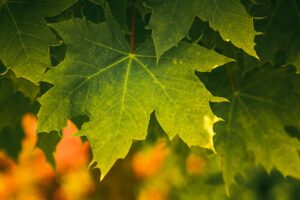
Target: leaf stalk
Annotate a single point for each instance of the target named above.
(132, 28)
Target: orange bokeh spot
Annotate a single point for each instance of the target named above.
(195, 164)
(148, 163)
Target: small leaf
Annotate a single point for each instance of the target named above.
(48, 142)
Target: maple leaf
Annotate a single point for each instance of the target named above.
(119, 90)
(25, 36)
(13, 105)
(229, 17)
(48, 144)
(26, 87)
(255, 120)
(281, 33)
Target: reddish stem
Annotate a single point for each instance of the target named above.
(132, 27)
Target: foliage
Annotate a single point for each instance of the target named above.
(221, 76)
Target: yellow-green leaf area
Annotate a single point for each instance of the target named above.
(25, 37)
(118, 90)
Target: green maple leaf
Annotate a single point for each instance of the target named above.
(48, 143)
(118, 90)
(11, 141)
(255, 121)
(13, 105)
(171, 21)
(143, 9)
(118, 9)
(25, 36)
(281, 34)
(27, 88)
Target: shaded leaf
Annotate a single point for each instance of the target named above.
(13, 105)
(281, 33)
(47, 142)
(255, 120)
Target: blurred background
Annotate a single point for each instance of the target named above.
(156, 169)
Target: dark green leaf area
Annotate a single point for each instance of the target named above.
(13, 105)
(48, 142)
(11, 141)
(255, 118)
(281, 32)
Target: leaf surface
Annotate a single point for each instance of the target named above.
(25, 36)
(281, 34)
(171, 21)
(119, 90)
(24, 86)
(255, 121)
(48, 143)
(13, 105)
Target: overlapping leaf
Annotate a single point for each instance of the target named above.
(119, 90)
(48, 143)
(263, 103)
(281, 33)
(171, 21)
(27, 88)
(13, 105)
(25, 36)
